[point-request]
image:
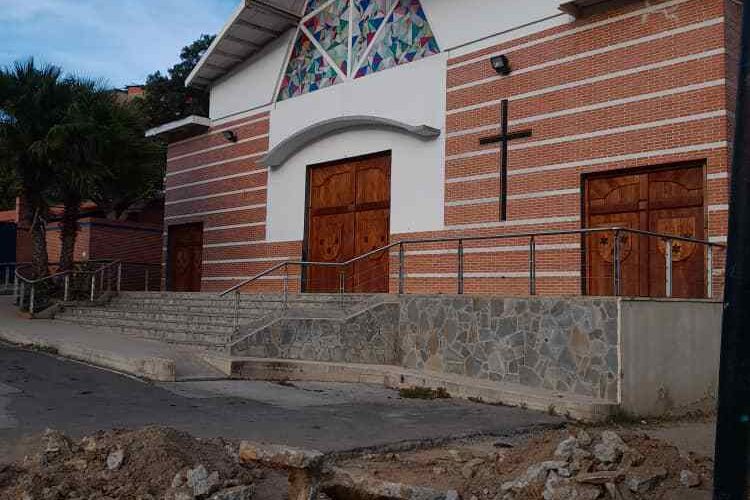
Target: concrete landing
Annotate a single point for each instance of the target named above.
(139, 357)
(568, 405)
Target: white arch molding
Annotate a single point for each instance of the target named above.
(287, 148)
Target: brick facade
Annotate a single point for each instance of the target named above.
(630, 87)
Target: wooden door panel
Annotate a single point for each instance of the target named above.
(372, 232)
(349, 215)
(373, 182)
(331, 240)
(614, 194)
(332, 187)
(600, 262)
(185, 257)
(675, 188)
(688, 259)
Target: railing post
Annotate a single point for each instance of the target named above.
(342, 287)
(668, 261)
(710, 272)
(460, 267)
(15, 285)
(21, 296)
(236, 310)
(532, 266)
(286, 285)
(7, 276)
(616, 265)
(119, 277)
(93, 286)
(401, 269)
(31, 299)
(145, 287)
(101, 280)
(66, 293)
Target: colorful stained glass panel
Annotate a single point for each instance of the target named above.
(313, 5)
(330, 27)
(406, 38)
(369, 17)
(307, 71)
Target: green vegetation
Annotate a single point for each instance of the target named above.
(424, 393)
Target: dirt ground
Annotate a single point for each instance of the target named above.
(162, 463)
(149, 459)
(478, 468)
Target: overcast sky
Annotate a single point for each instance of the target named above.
(120, 41)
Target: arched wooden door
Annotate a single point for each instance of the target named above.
(664, 200)
(348, 215)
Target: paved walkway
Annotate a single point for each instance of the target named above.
(39, 391)
(120, 352)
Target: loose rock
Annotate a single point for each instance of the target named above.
(689, 479)
(566, 448)
(644, 479)
(200, 481)
(236, 493)
(610, 449)
(115, 459)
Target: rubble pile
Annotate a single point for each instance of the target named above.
(150, 463)
(584, 468)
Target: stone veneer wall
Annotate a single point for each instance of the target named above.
(563, 344)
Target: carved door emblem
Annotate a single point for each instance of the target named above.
(679, 226)
(330, 244)
(605, 245)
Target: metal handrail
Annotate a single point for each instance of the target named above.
(21, 282)
(461, 240)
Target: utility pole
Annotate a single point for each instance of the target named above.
(732, 462)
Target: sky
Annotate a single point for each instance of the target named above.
(118, 41)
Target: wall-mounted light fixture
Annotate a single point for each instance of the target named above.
(230, 136)
(501, 64)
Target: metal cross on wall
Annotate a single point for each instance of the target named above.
(504, 138)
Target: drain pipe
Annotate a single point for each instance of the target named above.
(732, 460)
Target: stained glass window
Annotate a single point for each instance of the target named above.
(308, 70)
(346, 39)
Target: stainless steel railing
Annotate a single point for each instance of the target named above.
(460, 241)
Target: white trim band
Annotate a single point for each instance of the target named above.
(215, 212)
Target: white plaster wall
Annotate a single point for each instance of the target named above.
(253, 84)
(456, 23)
(414, 94)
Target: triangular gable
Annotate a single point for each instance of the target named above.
(340, 40)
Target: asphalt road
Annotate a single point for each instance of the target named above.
(38, 391)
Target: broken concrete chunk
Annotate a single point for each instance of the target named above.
(55, 442)
(689, 479)
(236, 493)
(584, 438)
(566, 448)
(200, 481)
(282, 457)
(643, 479)
(611, 447)
(602, 477)
(558, 488)
(115, 459)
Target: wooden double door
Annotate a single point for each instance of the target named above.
(348, 215)
(185, 257)
(665, 200)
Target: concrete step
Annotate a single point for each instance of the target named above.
(396, 377)
(146, 315)
(212, 342)
(196, 308)
(184, 328)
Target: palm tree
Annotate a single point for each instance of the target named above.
(100, 154)
(32, 101)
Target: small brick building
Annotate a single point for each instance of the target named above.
(339, 126)
(135, 238)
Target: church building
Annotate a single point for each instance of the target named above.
(339, 127)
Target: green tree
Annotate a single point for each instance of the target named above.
(32, 101)
(166, 97)
(100, 153)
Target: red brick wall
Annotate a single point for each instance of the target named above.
(625, 88)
